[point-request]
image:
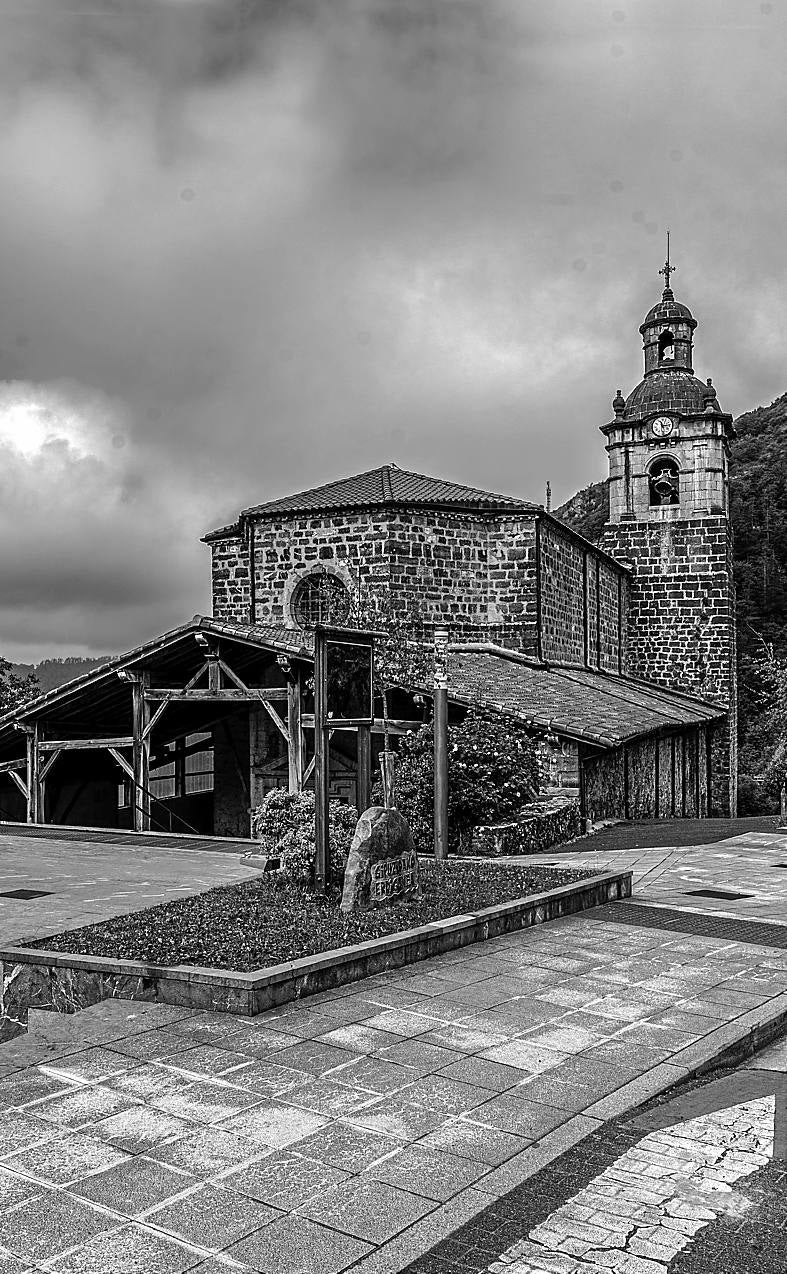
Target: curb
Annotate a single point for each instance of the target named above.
(33, 977)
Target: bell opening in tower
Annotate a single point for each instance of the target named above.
(664, 482)
(666, 347)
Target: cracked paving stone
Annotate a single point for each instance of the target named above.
(345, 1146)
(274, 1124)
(435, 1175)
(295, 1245)
(49, 1224)
(65, 1159)
(213, 1216)
(128, 1250)
(84, 1105)
(367, 1209)
(284, 1180)
(134, 1187)
(206, 1152)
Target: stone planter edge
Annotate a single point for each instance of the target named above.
(91, 978)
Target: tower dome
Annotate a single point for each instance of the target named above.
(669, 383)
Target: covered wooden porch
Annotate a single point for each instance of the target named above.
(116, 748)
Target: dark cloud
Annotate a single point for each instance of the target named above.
(247, 247)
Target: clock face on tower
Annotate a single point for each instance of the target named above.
(662, 426)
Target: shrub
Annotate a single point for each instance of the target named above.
(492, 774)
(284, 825)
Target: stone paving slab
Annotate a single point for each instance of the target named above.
(753, 864)
(87, 881)
(338, 1153)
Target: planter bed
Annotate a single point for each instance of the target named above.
(256, 923)
(143, 956)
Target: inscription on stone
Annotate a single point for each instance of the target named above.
(383, 864)
(393, 876)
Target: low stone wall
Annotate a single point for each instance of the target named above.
(548, 822)
(35, 978)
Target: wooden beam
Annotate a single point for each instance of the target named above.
(395, 726)
(232, 676)
(295, 735)
(20, 783)
(7, 766)
(191, 684)
(47, 765)
(307, 773)
(127, 769)
(251, 695)
(85, 745)
(160, 710)
(214, 671)
(277, 721)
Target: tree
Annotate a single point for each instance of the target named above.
(403, 655)
(15, 690)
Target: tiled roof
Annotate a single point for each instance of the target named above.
(386, 486)
(674, 390)
(591, 706)
(288, 641)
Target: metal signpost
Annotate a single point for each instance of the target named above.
(441, 743)
(343, 699)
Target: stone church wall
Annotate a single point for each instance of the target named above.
(681, 619)
(486, 578)
(476, 575)
(583, 601)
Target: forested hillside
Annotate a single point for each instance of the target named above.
(758, 496)
(56, 672)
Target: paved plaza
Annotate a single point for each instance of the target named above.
(373, 1127)
(86, 878)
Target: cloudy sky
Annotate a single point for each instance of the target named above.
(247, 246)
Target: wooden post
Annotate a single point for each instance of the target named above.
(34, 811)
(140, 711)
(321, 773)
(214, 672)
(180, 767)
(364, 735)
(441, 743)
(295, 731)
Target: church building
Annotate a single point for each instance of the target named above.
(618, 657)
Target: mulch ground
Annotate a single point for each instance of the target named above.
(267, 921)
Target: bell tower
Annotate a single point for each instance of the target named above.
(668, 449)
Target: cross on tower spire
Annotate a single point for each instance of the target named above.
(667, 269)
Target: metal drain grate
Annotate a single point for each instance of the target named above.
(715, 893)
(701, 924)
(25, 893)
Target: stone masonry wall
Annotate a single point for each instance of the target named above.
(682, 620)
(583, 606)
(475, 574)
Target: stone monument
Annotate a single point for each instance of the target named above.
(383, 864)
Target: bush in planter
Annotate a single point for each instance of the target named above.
(284, 826)
(492, 774)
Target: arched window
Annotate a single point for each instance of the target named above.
(664, 481)
(320, 598)
(666, 346)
